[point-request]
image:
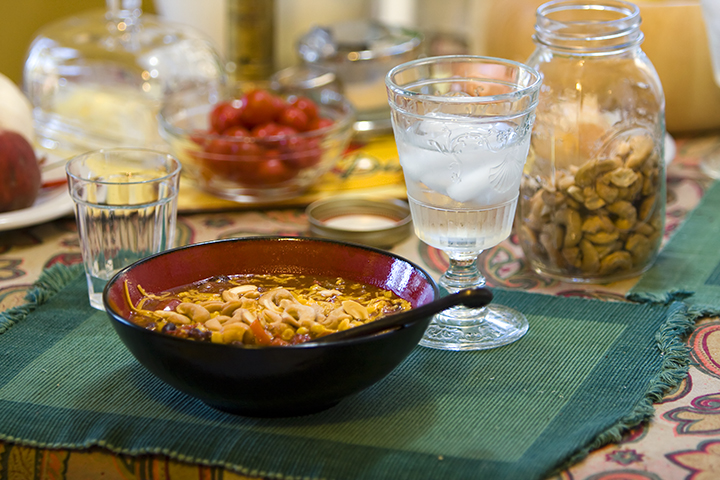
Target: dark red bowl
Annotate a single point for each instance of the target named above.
(270, 381)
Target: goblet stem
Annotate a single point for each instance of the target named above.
(462, 328)
(462, 273)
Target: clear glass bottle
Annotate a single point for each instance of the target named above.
(592, 200)
(98, 79)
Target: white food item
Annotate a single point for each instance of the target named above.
(15, 110)
(118, 112)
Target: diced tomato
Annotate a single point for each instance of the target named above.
(262, 336)
(277, 341)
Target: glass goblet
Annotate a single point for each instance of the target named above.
(462, 128)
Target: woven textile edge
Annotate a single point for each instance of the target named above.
(52, 280)
(675, 354)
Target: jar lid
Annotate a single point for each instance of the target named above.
(356, 40)
(377, 223)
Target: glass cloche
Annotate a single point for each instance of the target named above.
(98, 79)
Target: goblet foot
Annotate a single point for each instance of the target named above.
(463, 328)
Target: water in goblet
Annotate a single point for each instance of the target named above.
(463, 203)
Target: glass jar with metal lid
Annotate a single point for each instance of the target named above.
(592, 200)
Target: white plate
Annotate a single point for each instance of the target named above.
(51, 203)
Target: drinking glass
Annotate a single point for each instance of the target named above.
(710, 164)
(125, 208)
(462, 127)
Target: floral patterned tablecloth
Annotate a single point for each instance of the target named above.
(682, 440)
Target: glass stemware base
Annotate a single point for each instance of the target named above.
(462, 328)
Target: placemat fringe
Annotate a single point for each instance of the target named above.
(51, 280)
(675, 354)
(665, 299)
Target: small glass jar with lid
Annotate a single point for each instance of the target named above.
(592, 199)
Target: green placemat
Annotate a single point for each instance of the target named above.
(585, 371)
(688, 267)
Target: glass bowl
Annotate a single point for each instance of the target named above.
(257, 167)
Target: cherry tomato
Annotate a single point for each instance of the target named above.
(273, 170)
(236, 131)
(306, 105)
(234, 161)
(269, 129)
(226, 115)
(302, 152)
(295, 118)
(262, 107)
(319, 123)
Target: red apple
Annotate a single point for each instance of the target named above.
(20, 177)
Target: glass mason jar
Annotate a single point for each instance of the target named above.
(592, 198)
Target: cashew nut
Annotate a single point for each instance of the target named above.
(620, 260)
(229, 296)
(602, 238)
(245, 315)
(355, 309)
(230, 307)
(196, 312)
(241, 290)
(606, 191)
(592, 199)
(212, 305)
(299, 315)
(623, 177)
(271, 300)
(642, 146)
(173, 317)
(572, 256)
(335, 317)
(639, 247)
(590, 258)
(573, 226)
(647, 207)
(235, 332)
(213, 324)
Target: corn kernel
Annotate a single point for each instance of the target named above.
(302, 331)
(318, 328)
